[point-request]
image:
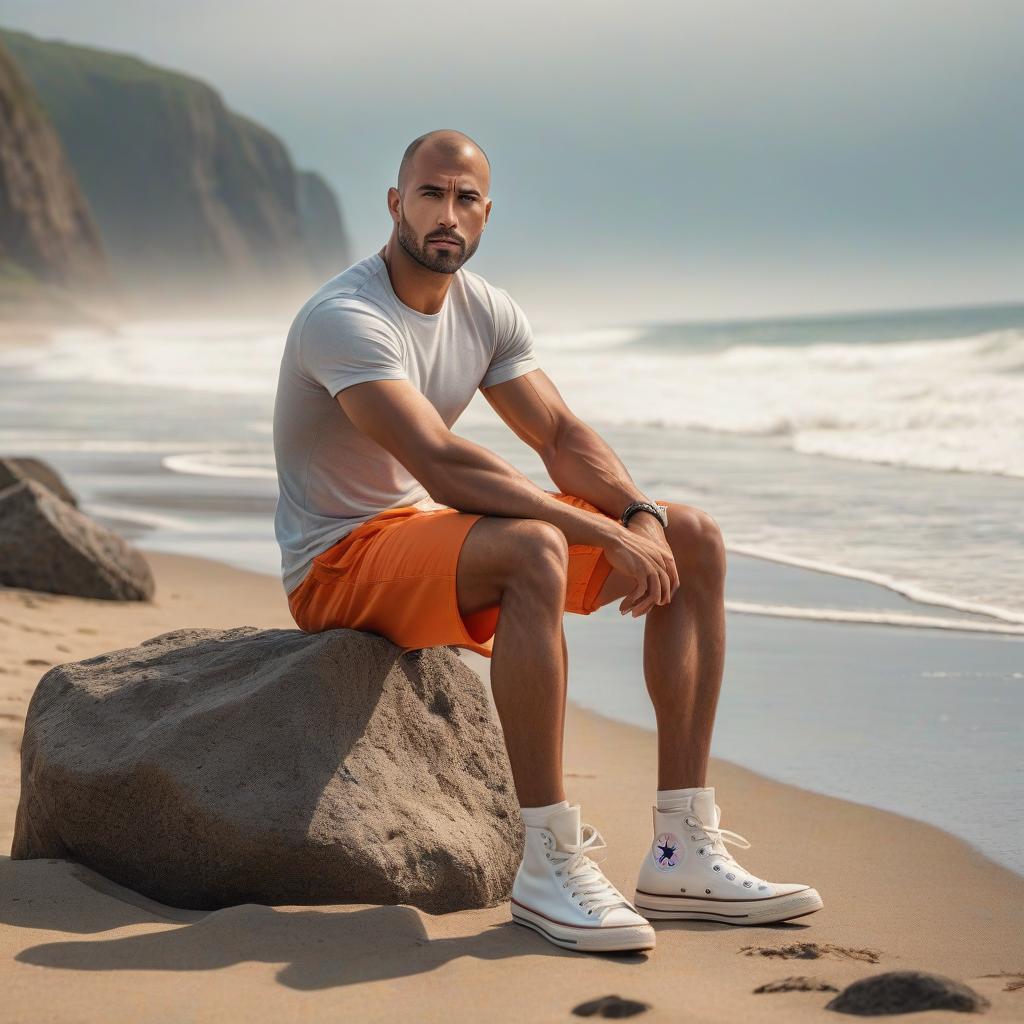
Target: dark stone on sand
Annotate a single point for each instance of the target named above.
(906, 992)
(799, 983)
(48, 545)
(207, 768)
(14, 469)
(610, 1006)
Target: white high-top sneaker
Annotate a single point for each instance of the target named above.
(690, 874)
(561, 893)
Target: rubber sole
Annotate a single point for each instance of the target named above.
(657, 907)
(586, 940)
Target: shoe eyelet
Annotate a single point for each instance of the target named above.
(691, 822)
(747, 885)
(701, 853)
(707, 891)
(730, 876)
(717, 867)
(762, 887)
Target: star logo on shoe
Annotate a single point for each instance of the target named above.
(666, 851)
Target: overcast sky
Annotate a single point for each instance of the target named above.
(651, 160)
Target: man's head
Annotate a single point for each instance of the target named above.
(443, 183)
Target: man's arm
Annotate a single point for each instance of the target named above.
(455, 471)
(576, 457)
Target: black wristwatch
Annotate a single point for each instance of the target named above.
(660, 511)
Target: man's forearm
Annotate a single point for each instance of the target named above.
(472, 478)
(581, 463)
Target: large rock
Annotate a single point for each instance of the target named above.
(15, 469)
(206, 768)
(46, 544)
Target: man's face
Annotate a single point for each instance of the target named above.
(442, 214)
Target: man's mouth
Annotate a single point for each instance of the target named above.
(444, 241)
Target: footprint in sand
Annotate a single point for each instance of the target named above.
(800, 983)
(37, 661)
(1014, 979)
(812, 951)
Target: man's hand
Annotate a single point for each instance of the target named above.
(641, 551)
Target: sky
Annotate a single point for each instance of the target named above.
(651, 161)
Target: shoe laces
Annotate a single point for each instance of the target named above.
(718, 838)
(587, 879)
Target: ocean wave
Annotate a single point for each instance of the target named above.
(946, 404)
(952, 404)
(913, 591)
(154, 520)
(256, 465)
(874, 618)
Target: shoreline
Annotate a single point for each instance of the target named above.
(880, 874)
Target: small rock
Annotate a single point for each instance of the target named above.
(610, 1006)
(906, 992)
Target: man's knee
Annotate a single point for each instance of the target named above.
(538, 547)
(696, 541)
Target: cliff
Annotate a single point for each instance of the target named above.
(47, 234)
(321, 225)
(194, 202)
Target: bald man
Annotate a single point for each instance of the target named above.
(388, 522)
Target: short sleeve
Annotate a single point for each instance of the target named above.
(345, 342)
(513, 351)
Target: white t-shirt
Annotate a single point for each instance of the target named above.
(354, 328)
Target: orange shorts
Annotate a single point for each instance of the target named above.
(395, 575)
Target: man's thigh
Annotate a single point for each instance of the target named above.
(496, 545)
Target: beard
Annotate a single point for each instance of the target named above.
(441, 261)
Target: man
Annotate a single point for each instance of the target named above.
(390, 523)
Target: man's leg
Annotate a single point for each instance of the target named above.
(684, 646)
(521, 565)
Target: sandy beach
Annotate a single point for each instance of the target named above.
(898, 894)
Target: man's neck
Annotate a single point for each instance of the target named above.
(419, 288)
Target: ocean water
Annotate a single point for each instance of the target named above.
(867, 473)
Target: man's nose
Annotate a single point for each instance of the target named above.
(448, 216)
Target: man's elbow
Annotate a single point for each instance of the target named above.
(439, 466)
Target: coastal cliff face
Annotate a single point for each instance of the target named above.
(47, 233)
(322, 226)
(193, 201)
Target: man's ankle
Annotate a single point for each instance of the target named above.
(676, 799)
(536, 817)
